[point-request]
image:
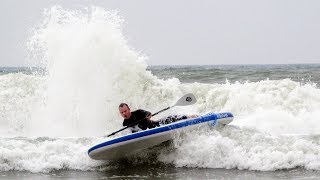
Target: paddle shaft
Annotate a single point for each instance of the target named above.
(132, 124)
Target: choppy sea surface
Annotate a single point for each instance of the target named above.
(303, 73)
(51, 115)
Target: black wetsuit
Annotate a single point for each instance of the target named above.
(139, 115)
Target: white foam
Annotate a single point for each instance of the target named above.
(91, 69)
(233, 147)
(45, 154)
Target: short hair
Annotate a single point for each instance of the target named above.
(123, 104)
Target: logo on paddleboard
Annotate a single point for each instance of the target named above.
(189, 99)
(222, 115)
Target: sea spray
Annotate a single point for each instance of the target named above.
(91, 69)
(18, 91)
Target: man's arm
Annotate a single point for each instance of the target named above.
(146, 113)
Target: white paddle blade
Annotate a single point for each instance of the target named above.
(186, 100)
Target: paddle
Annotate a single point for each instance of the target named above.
(185, 100)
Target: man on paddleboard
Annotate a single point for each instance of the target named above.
(138, 120)
(141, 120)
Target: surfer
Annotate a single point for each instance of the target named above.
(141, 119)
(137, 120)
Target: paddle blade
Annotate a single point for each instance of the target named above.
(186, 100)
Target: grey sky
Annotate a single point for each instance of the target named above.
(189, 31)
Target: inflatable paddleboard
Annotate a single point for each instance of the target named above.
(126, 145)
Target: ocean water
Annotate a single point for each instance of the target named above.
(82, 67)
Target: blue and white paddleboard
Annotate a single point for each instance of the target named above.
(126, 145)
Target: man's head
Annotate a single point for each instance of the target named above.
(124, 110)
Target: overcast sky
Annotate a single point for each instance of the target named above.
(189, 31)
